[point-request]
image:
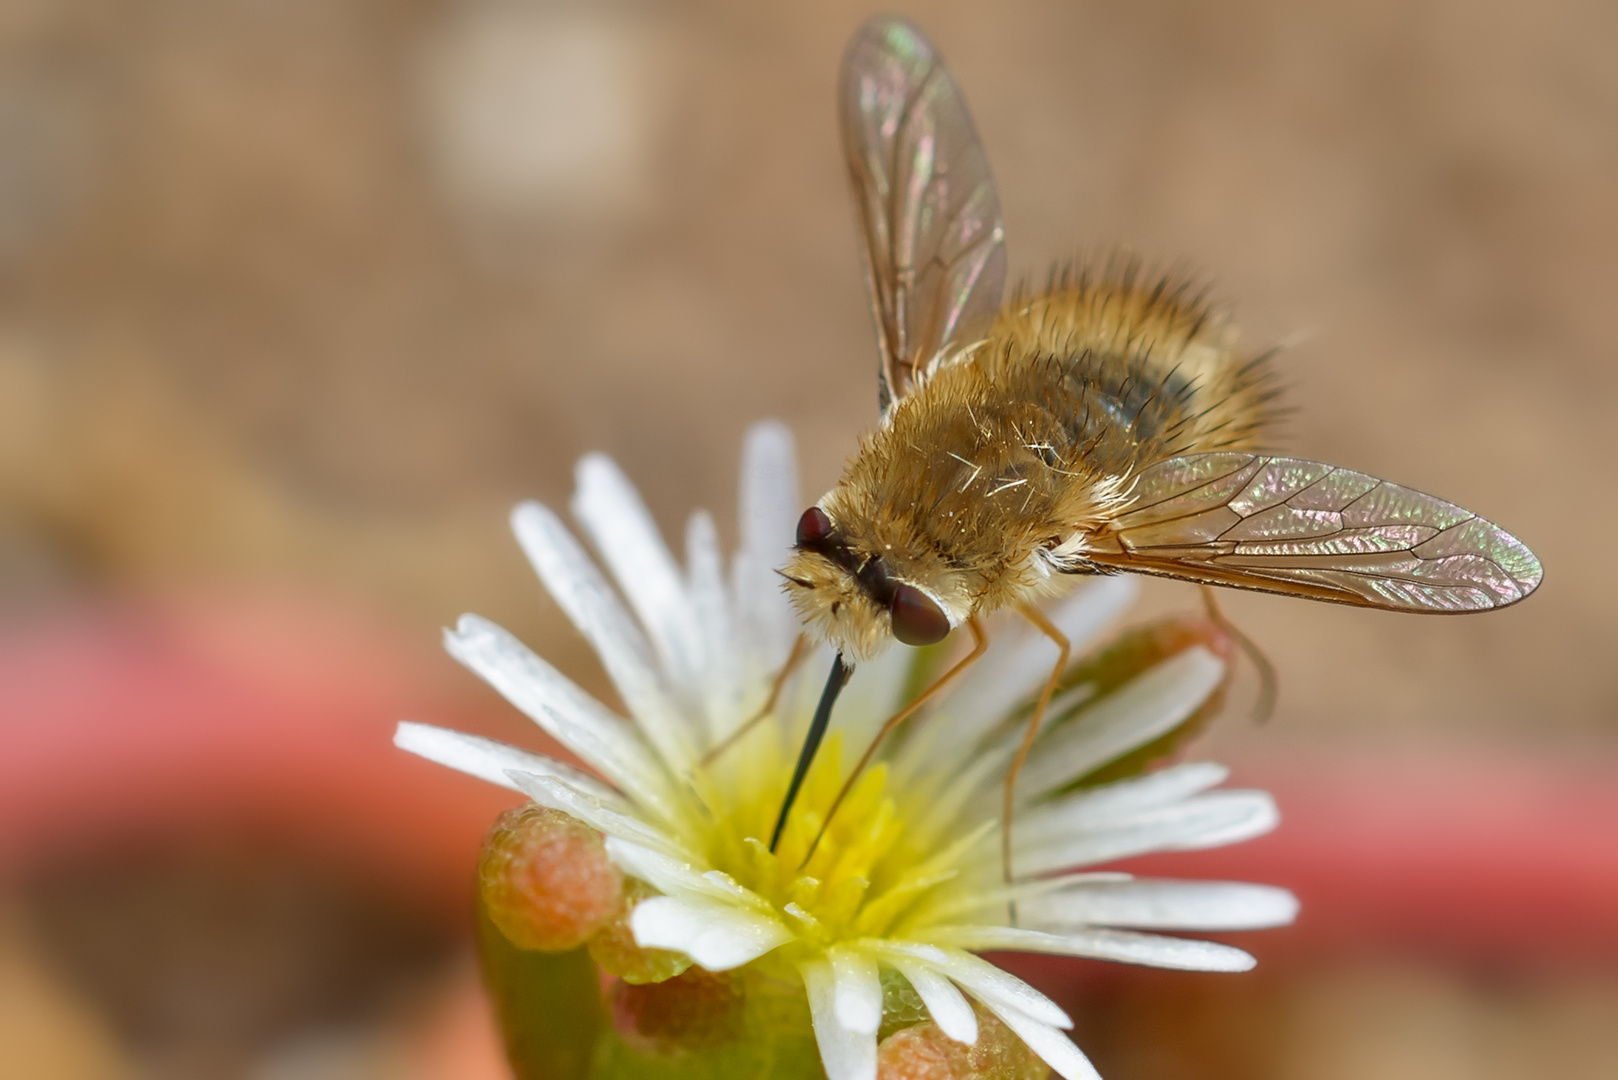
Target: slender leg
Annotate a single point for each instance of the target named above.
(1065, 648)
(980, 642)
(1265, 708)
(800, 648)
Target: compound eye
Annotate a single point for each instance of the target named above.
(916, 619)
(814, 527)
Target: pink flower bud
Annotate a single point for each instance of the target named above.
(614, 947)
(694, 1011)
(545, 879)
(925, 1053)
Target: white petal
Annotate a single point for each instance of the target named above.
(942, 866)
(945, 1004)
(844, 1054)
(1052, 1046)
(767, 511)
(1163, 905)
(1121, 946)
(967, 785)
(716, 936)
(1020, 658)
(1110, 804)
(627, 539)
(575, 719)
(970, 791)
(874, 693)
(722, 670)
(679, 878)
(1211, 820)
(952, 905)
(1152, 704)
(489, 760)
(800, 695)
(985, 981)
(551, 792)
(858, 992)
(587, 600)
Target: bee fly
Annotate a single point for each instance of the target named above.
(1106, 424)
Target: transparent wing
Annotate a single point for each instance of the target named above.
(1306, 529)
(935, 257)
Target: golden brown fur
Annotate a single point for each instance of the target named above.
(982, 485)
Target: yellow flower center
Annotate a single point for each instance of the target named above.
(833, 884)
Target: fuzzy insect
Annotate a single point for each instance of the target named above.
(1105, 424)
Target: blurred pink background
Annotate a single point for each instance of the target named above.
(297, 297)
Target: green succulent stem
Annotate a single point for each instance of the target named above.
(548, 1004)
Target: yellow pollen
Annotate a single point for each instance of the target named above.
(823, 899)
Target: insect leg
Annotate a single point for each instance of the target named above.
(1267, 681)
(1065, 649)
(980, 642)
(800, 648)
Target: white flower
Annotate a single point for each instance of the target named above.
(908, 875)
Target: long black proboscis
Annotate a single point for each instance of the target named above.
(811, 743)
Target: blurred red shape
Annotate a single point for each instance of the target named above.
(275, 713)
(1466, 852)
(242, 712)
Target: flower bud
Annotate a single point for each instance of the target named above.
(546, 880)
(924, 1052)
(614, 948)
(698, 1010)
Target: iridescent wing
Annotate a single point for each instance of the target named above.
(935, 257)
(1305, 529)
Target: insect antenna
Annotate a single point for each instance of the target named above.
(840, 671)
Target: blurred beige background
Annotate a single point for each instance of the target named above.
(316, 289)
(310, 291)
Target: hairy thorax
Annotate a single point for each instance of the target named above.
(982, 486)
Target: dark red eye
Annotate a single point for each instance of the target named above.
(813, 528)
(916, 619)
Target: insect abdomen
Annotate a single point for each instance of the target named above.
(1142, 371)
